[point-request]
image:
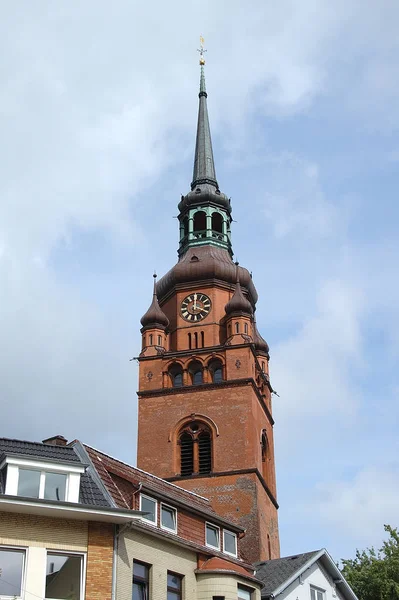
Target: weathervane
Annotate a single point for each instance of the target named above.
(201, 50)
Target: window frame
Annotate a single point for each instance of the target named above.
(164, 527)
(317, 590)
(73, 471)
(42, 483)
(24, 551)
(245, 588)
(212, 526)
(141, 580)
(146, 519)
(83, 557)
(224, 542)
(173, 590)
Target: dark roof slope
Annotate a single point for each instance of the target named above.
(275, 572)
(38, 450)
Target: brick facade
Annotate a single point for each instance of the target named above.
(237, 411)
(99, 561)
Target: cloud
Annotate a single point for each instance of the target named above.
(359, 508)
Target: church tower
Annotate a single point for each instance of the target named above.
(205, 414)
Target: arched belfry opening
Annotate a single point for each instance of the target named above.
(200, 222)
(217, 222)
(195, 444)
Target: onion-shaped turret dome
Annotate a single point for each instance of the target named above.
(238, 303)
(261, 345)
(155, 317)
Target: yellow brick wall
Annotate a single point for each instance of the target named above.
(222, 585)
(44, 532)
(163, 556)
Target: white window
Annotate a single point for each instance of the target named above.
(229, 543)
(316, 594)
(149, 505)
(12, 566)
(44, 480)
(244, 593)
(41, 484)
(212, 536)
(64, 576)
(168, 518)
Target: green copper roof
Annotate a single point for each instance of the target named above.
(204, 165)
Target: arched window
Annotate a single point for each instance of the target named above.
(216, 371)
(202, 339)
(245, 327)
(176, 375)
(195, 370)
(237, 326)
(195, 340)
(186, 454)
(189, 340)
(200, 221)
(159, 340)
(150, 342)
(265, 457)
(195, 441)
(269, 546)
(217, 222)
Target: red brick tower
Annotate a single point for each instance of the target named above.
(205, 415)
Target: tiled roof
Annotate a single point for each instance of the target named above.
(38, 450)
(122, 480)
(275, 572)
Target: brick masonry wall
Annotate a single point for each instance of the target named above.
(162, 556)
(44, 532)
(99, 561)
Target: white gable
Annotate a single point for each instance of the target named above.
(317, 577)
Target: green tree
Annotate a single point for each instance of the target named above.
(374, 575)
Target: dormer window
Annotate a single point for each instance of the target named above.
(43, 480)
(42, 484)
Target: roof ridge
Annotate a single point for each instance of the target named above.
(164, 481)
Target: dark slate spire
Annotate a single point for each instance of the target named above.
(238, 303)
(155, 317)
(204, 165)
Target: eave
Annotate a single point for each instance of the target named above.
(67, 510)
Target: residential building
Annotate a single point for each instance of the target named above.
(307, 576)
(56, 525)
(204, 384)
(180, 549)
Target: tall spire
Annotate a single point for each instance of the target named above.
(204, 165)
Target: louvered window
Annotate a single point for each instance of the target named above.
(205, 452)
(186, 454)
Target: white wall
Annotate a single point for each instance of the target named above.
(315, 576)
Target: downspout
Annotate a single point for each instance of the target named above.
(115, 557)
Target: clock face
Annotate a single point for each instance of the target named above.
(195, 307)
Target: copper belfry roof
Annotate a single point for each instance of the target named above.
(205, 263)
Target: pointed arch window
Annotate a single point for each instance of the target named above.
(195, 441)
(265, 457)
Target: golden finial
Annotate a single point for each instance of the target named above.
(201, 50)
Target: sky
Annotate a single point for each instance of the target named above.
(98, 113)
